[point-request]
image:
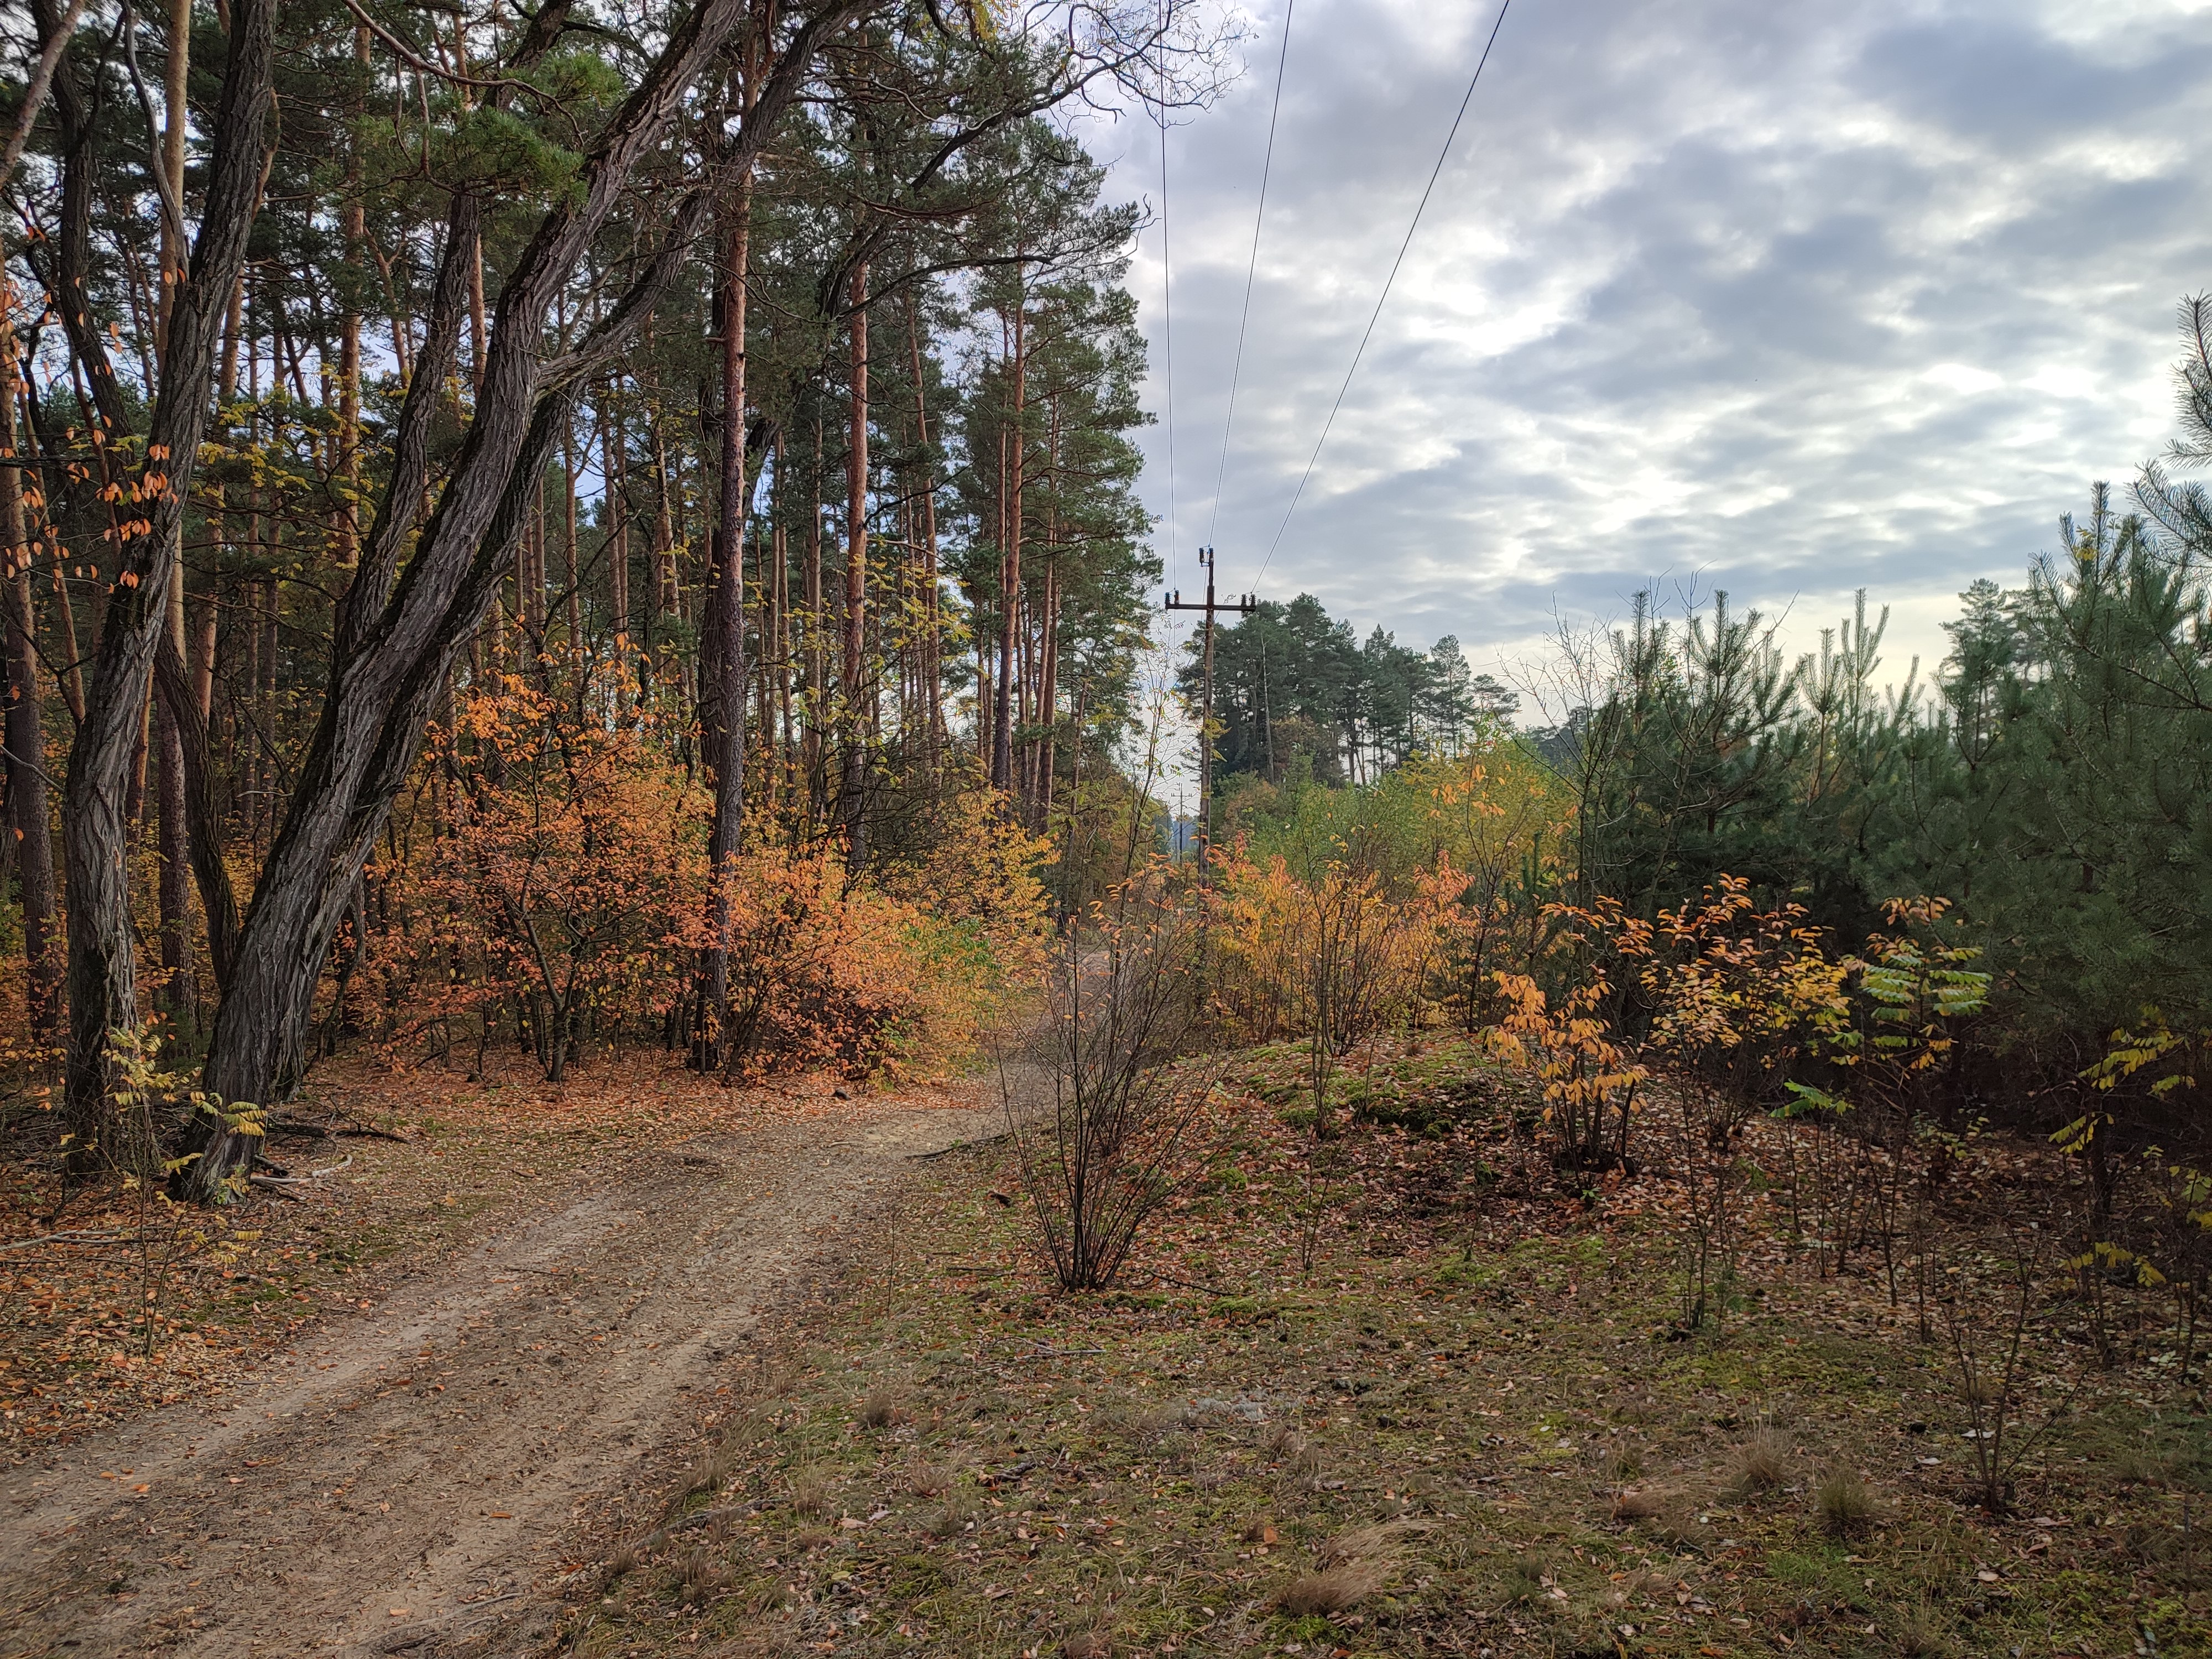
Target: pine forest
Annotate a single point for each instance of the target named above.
(649, 996)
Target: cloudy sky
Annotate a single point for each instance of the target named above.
(1781, 300)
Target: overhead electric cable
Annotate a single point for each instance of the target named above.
(1419, 208)
(1251, 268)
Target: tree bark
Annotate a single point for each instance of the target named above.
(102, 975)
(931, 665)
(25, 725)
(856, 578)
(1010, 569)
(665, 599)
(186, 709)
(781, 558)
(356, 237)
(818, 669)
(172, 900)
(1048, 695)
(53, 40)
(722, 710)
(614, 471)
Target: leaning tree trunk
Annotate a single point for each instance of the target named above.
(102, 973)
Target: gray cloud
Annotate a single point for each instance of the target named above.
(1784, 300)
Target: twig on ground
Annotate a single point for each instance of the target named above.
(960, 1147)
(77, 1235)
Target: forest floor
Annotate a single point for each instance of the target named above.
(1402, 1395)
(638, 1367)
(381, 1418)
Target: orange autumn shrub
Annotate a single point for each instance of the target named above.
(563, 886)
(1257, 975)
(897, 978)
(1333, 953)
(561, 898)
(1721, 998)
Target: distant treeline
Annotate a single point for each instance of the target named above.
(1296, 693)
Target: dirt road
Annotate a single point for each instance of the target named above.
(410, 1477)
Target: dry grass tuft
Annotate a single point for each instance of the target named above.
(1302, 1464)
(1142, 1427)
(1646, 1505)
(953, 1519)
(2133, 1466)
(1088, 1644)
(721, 1464)
(624, 1560)
(750, 1429)
(1669, 1513)
(810, 1493)
(1332, 1589)
(1920, 1634)
(1375, 1543)
(929, 1480)
(1844, 1503)
(879, 1411)
(701, 1575)
(1639, 1587)
(1523, 1582)
(1348, 1568)
(1760, 1463)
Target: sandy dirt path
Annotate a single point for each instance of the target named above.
(410, 1477)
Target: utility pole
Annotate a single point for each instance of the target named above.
(1243, 605)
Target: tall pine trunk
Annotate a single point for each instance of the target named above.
(1010, 569)
(172, 900)
(852, 802)
(817, 670)
(25, 723)
(722, 713)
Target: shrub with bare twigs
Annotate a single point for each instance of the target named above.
(1100, 1101)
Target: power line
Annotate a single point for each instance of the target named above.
(1421, 207)
(1252, 266)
